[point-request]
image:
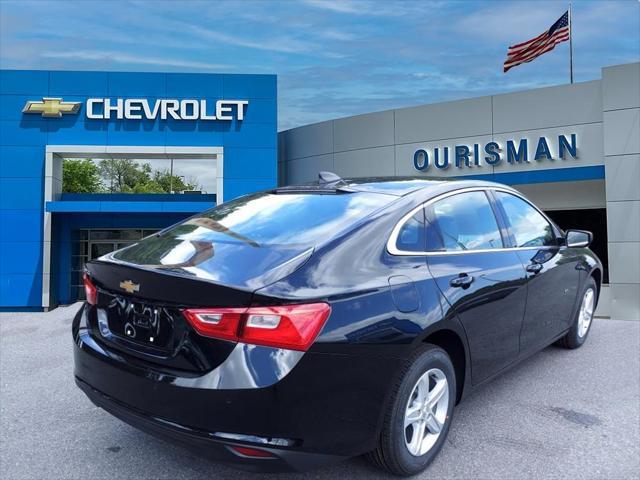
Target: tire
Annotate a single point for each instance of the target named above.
(577, 334)
(430, 365)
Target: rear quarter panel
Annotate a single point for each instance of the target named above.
(353, 273)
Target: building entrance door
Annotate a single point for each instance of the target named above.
(94, 243)
(100, 248)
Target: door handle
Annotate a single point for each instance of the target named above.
(463, 280)
(534, 268)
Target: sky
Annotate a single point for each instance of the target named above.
(333, 58)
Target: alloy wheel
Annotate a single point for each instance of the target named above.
(585, 314)
(426, 412)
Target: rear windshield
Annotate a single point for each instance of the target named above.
(291, 221)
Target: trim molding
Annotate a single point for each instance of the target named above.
(392, 249)
(550, 175)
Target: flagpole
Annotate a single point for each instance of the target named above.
(570, 44)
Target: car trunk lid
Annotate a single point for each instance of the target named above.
(139, 308)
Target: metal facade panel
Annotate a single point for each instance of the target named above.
(249, 146)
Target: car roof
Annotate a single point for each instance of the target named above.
(329, 182)
(397, 186)
(401, 186)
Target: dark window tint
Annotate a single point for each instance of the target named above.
(528, 226)
(411, 235)
(255, 221)
(100, 249)
(462, 222)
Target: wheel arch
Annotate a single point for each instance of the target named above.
(452, 341)
(596, 273)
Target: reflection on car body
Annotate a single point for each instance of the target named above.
(306, 324)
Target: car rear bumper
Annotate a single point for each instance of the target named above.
(327, 407)
(209, 444)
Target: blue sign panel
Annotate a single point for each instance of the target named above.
(38, 108)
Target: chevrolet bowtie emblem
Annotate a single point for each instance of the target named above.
(130, 287)
(51, 107)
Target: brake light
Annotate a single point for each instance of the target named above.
(90, 290)
(292, 327)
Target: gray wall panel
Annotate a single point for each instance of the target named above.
(282, 148)
(623, 222)
(624, 263)
(282, 173)
(464, 118)
(368, 162)
(625, 301)
(306, 169)
(548, 107)
(363, 131)
(566, 195)
(316, 139)
(623, 177)
(622, 132)
(621, 126)
(621, 87)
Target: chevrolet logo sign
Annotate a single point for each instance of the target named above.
(130, 287)
(51, 107)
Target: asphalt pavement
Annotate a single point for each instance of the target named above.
(560, 414)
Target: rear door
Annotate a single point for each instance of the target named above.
(552, 273)
(481, 281)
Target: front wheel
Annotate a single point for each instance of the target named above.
(417, 421)
(577, 334)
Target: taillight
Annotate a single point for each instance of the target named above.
(90, 290)
(292, 327)
(216, 323)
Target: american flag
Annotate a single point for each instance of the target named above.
(527, 51)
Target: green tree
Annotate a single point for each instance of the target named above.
(121, 176)
(80, 176)
(124, 175)
(169, 182)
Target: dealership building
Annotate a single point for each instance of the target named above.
(573, 149)
(219, 129)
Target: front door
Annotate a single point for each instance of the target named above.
(481, 281)
(552, 276)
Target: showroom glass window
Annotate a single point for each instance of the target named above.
(528, 226)
(462, 222)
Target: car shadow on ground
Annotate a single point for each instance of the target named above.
(359, 467)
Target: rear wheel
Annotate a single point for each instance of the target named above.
(577, 334)
(419, 415)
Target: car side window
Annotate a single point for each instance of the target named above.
(462, 222)
(411, 235)
(528, 226)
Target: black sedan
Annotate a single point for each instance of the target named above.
(308, 324)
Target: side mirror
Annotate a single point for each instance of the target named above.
(578, 238)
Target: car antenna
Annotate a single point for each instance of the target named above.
(328, 178)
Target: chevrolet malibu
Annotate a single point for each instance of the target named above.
(308, 324)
